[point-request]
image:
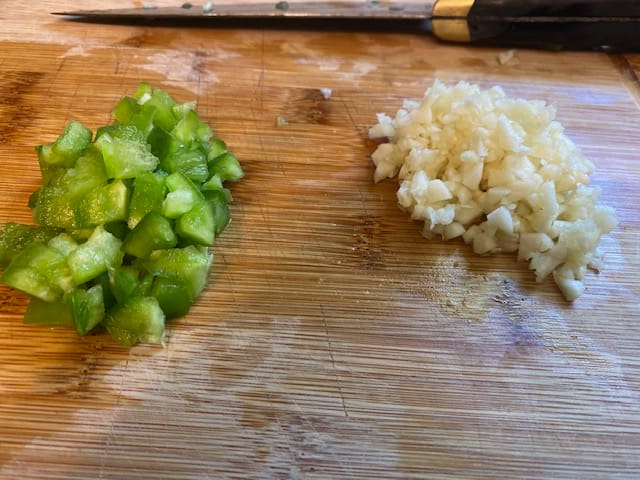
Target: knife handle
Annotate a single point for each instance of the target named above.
(553, 24)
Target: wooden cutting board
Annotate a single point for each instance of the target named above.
(333, 340)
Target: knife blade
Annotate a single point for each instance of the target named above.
(552, 24)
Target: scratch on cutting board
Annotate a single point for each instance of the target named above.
(333, 361)
(76, 51)
(107, 446)
(629, 77)
(326, 64)
(360, 69)
(352, 72)
(229, 278)
(180, 69)
(349, 114)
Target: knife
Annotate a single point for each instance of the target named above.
(553, 24)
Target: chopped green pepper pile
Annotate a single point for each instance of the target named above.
(124, 220)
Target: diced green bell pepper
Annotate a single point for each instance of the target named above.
(188, 265)
(174, 296)
(125, 110)
(192, 163)
(49, 313)
(144, 120)
(88, 308)
(227, 166)
(128, 281)
(213, 183)
(106, 204)
(178, 203)
(183, 195)
(126, 220)
(121, 132)
(149, 191)
(216, 148)
(198, 224)
(14, 237)
(221, 214)
(87, 174)
(100, 252)
(40, 271)
(163, 103)
(190, 129)
(143, 92)
(140, 319)
(162, 143)
(68, 146)
(63, 243)
(125, 158)
(181, 109)
(47, 169)
(153, 232)
(54, 208)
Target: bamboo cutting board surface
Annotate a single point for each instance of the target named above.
(333, 341)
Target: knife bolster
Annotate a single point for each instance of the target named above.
(449, 22)
(549, 24)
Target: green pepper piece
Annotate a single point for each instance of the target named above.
(198, 224)
(125, 110)
(192, 163)
(49, 313)
(100, 252)
(40, 271)
(143, 92)
(181, 109)
(121, 132)
(183, 195)
(87, 174)
(106, 204)
(153, 232)
(221, 214)
(118, 229)
(162, 143)
(149, 191)
(63, 243)
(125, 282)
(227, 166)
(54, 208)
(140, 319)
(144, 120)
(124, 158)
(88, 308)
(68, 146)
(14, 237)
(163, 104)
(108, 297)
(191, 129)
(174, 297)
(47, 169)
(188, 265)
(215, 148)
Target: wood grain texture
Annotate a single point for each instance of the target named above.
(333, 340)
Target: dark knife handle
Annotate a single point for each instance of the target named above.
(556, 8)
(553, 24)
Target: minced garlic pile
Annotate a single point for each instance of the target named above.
(498, 172)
